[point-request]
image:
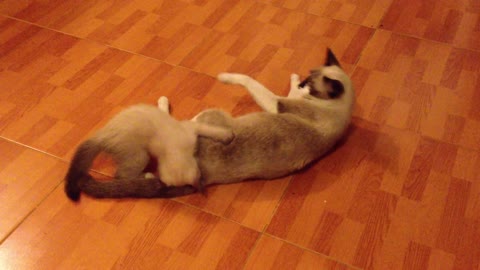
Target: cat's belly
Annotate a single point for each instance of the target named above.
(222, 164)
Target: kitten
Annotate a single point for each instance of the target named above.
(138, 132)
(292, 132)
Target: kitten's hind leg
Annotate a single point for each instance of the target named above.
(214, 117)
(262, 96)
(163, 104)
(131, 165)
(217, 133)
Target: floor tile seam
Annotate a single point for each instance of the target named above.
(259, 233)
(375, 28)
(311, 250)
(48, 154)
(274, 211)
(140, 54)
(263, 232)
(102, 44)
(379, 25)
(251, 251)
(36, 206)
(33, 148)
(417, 133)
(429, 40)
(322, 16)
(218, 215)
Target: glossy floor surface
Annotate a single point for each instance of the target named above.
(402, 192)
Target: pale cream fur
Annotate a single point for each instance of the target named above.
(142, 131)
(290, 133)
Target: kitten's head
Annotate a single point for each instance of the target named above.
(328, 81)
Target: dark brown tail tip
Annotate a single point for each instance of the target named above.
(73, 191)
(72, 188)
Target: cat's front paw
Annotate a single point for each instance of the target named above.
(294, 79)
(231, 78)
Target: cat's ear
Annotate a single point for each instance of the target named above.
(334, 87)
(331, 59)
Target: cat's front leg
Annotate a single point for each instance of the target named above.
(294, 88)
(263, 97)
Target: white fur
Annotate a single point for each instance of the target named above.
(338, 110)
(163, 104)
(295, 90)
(294, 131)
(264, 98)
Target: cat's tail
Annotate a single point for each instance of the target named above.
(79, 166)
(132, 188)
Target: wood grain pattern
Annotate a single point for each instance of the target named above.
(172, 235)
(26, 178)
(402, 191)
(271, 253)
(452, 22)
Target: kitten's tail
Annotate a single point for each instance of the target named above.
(132, 188)
(81, 163)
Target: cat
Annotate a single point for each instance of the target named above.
(289, 134)
(135, 134)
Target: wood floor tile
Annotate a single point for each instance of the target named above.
(421, 86)
(74, 89)
(214, 37)
(86, 91)
(26, 178)
(368, 205)
(251, 203)
(445, 21)
(401, 191)
(149, 234)
(271, 253)
(367, 13)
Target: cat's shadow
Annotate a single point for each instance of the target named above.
(365, 144)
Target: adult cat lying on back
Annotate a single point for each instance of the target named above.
(292, 132)
(132, 136)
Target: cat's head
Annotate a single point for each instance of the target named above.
(328, 81)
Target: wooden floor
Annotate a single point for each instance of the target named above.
(403, 191)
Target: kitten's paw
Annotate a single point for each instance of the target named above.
(227, 137)
(149, 175)
(231, 78)
(163, 104)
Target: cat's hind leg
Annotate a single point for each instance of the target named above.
(263, 97)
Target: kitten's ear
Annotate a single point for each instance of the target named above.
(331, 60)
(334, 87)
